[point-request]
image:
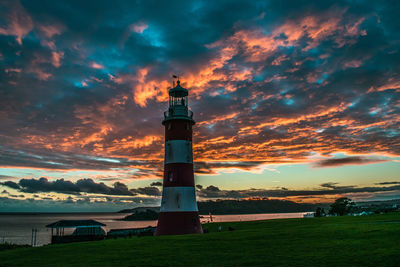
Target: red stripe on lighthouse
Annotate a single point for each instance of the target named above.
(178, 130)
(177, 223)
(178, 174)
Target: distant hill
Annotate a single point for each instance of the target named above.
(235, 207)
(147, 215)
(379, 202)
(254, 206)
(139, 209)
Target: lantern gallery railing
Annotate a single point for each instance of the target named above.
(178, 112)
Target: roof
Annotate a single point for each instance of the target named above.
(178, 91)
(75, 223)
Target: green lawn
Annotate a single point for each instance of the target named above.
(334, 241)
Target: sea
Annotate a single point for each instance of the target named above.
(18, 228)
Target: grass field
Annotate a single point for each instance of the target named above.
(335, 241)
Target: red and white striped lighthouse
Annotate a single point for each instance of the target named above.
(179, 213)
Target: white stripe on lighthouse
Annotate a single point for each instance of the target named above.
(180, 198)
(178, 151)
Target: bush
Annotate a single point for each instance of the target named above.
(341, 206)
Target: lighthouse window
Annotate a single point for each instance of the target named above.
(170, 176)
(169, 126)
(187, 126)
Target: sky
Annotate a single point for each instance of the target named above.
(293, 100)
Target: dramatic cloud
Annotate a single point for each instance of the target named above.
(386, 183)
(149, 191)
(264, 88)
(346, 161)
(89, 186)
(120, 196)
(18, 23)
(81, 203)
(335, 186)
(11, 184)
(62, 186)
(80, 186)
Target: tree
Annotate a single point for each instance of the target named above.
(320, 212)
(341, 206)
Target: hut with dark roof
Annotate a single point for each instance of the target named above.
(85, 230)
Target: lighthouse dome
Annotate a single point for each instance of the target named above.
(178, 91)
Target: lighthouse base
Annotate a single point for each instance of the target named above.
(178, 223)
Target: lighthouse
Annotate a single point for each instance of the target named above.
(178, 213)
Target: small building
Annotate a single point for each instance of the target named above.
(114, 233)
(309, 215)
(85, 230)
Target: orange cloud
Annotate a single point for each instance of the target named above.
(50, 30)
(149, 89)
(219, 118)
(12, 70)
(19, 23)
(257, 45)
(352, 64)
(391, 84)
(139, 27)
(133, 143)
(296, 134)
(56, 58)
(95, 65)
(320, 111)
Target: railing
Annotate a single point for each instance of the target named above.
(178, 112)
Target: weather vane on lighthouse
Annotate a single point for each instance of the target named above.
(178, 213)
